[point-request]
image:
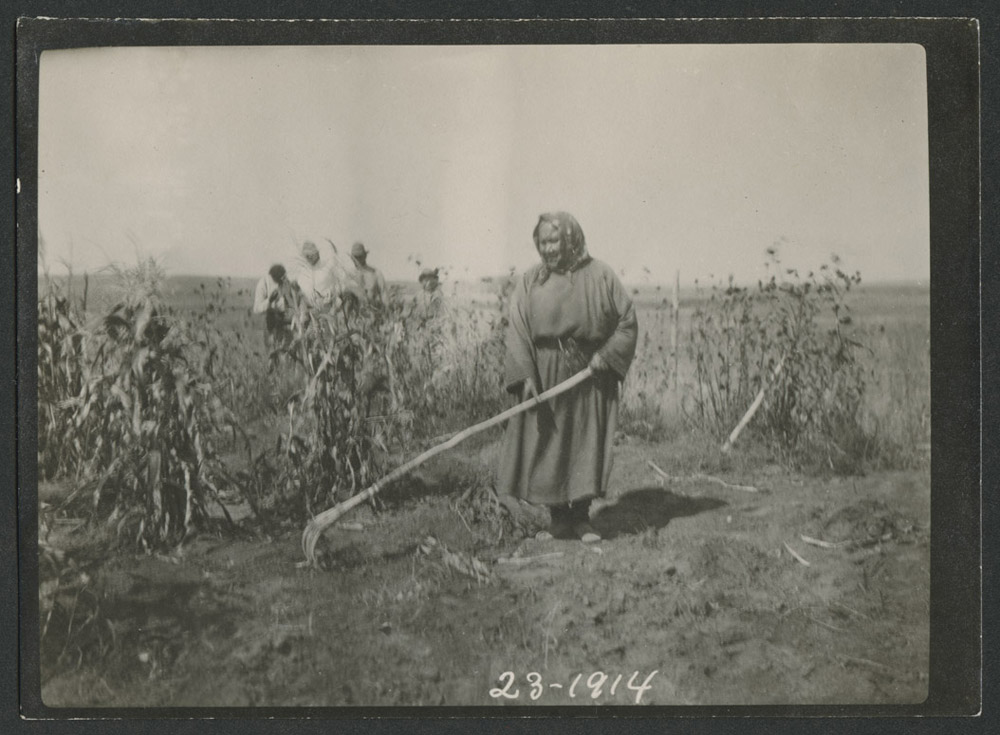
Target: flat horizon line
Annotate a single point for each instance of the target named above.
(700, 282)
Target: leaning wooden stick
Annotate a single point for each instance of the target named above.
(314, 529)
(750, 411)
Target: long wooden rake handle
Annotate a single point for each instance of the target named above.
(314, 529)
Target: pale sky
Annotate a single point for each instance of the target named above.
(218, 160)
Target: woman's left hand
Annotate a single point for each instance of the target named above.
(598, 364)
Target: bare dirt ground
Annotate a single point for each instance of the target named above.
(693, 597)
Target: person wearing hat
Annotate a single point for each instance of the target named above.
(274, 297)
(315, 278)
(370, 280)
(430, 302)
(437, 328)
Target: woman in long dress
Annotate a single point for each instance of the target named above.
(567, 312)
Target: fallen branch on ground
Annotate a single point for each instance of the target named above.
(851, 610)
(797, 558)
(700, 476)
(824, 544)
(854, 543)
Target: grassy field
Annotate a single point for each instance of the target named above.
(710, 585)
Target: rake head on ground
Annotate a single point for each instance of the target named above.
(314, 529)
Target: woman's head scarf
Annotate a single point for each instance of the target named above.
(573, 242)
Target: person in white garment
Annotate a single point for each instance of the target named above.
(316, 278)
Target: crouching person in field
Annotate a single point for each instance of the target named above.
(275, 299)
(567, 312)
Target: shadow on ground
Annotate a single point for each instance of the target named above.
(445, 476)
(649, 507)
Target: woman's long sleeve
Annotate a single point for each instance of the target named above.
(619, 349)
(519, 364)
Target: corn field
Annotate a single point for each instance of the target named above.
(149, 409)
(129, 410)
(156, 408)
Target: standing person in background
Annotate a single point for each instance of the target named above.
(430, 300)
(316, 279)
(566, 313)
(370, 280)
(274, 297)
(438, 339)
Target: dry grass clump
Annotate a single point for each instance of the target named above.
(853, 392)
(812, 415)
